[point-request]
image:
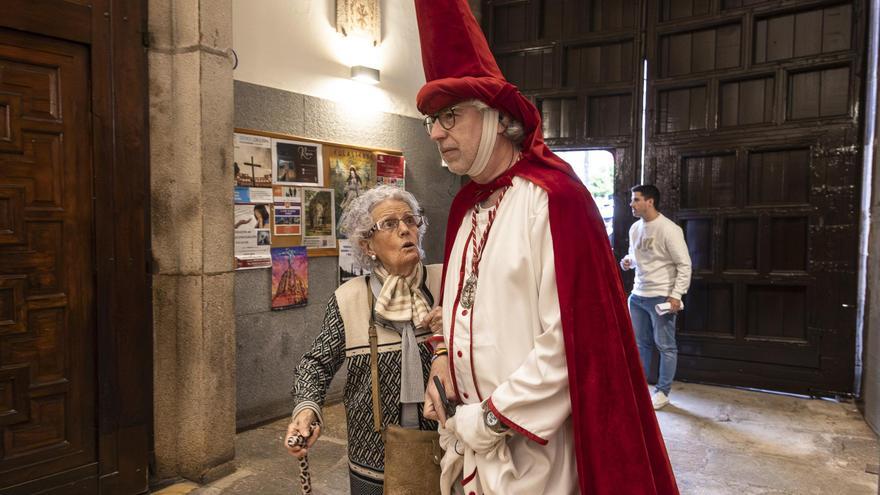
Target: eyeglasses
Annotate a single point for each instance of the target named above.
(391, 223)
(446, 118)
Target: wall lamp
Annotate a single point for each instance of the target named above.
(365, 74)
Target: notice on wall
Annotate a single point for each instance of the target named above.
(290, 277)
(297, 163)
(349, 267)
(319, 222)
(287, 213)
(391, 170)
(252, 237)
(252, 195)
(252, 160)
(352, 172)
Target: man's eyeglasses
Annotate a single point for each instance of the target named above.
(446, 118)
(391, 223)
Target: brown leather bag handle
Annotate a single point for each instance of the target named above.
(374, 361)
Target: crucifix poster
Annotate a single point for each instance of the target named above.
(297, 163)
(252, 161)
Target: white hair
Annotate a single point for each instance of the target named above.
(357, 220)
(513, 129)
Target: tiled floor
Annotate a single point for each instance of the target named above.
(720, 441)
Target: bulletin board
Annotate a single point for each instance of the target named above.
(364, 167)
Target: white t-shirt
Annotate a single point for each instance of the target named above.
(660, 257)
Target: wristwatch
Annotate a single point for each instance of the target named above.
(492, 421)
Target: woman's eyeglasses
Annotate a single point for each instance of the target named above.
(391, 223)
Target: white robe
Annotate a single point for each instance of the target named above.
(510, 347)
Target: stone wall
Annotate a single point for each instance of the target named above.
(269, 344)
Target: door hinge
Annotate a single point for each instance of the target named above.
(145, 38)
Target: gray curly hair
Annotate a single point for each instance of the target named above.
(357, 220)
(513, 131)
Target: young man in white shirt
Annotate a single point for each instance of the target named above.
(660, 257)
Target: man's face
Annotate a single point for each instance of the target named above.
(459, 144)
(639, 204)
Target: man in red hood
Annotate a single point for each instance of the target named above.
(536, 331)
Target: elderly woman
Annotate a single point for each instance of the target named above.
(386, 230)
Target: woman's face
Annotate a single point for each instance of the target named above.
(396, 249)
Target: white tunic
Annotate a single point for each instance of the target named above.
(510, 347)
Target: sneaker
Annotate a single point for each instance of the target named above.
(659, 400)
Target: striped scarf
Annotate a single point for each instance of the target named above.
(401, 297)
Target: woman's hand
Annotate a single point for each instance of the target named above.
(434, 321)
(301, 425)
(433, 408)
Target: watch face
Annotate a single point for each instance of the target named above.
(491, 420)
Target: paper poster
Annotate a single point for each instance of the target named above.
(290, 277)
(319, 221)
(251, 195)
(390, 170)
(352, 172)
(252, 160)
(287, 213)
(252, 237)
(349, 267)
(297, 164)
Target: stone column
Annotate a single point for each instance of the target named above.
(191, 112)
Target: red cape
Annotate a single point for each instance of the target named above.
(618, 444)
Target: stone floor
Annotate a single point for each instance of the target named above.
(720, 440)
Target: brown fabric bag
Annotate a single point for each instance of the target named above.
(412, 457)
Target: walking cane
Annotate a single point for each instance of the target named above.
(305, 475)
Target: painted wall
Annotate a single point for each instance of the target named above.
(293, 45)
(269, 344)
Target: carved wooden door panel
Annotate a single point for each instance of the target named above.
(753, 139)
(580, 63)
(47, 314)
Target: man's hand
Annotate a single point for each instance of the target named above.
(301, 425)
(626, 263)
(433, 408)
(434, 321)
(675, 304)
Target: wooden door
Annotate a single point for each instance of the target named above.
(754, 142)
(580, 63)
(47, 282)
(75, 333)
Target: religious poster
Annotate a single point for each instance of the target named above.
(349, 267)
(252, 238)
(352, 172)
(319, 218)
(390, 170)
(290, 277)
(287, 213)
(297, 164)
(252, 160)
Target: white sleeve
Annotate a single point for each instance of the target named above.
(678, 251)
(534, 400)
(632, 242)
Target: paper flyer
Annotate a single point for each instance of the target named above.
(352, 172)
(290, 277)
(391, 170)
(297, 163)
(252, 160)
(252, 237)
(287, 213)
(349, 267)
(319, 222)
